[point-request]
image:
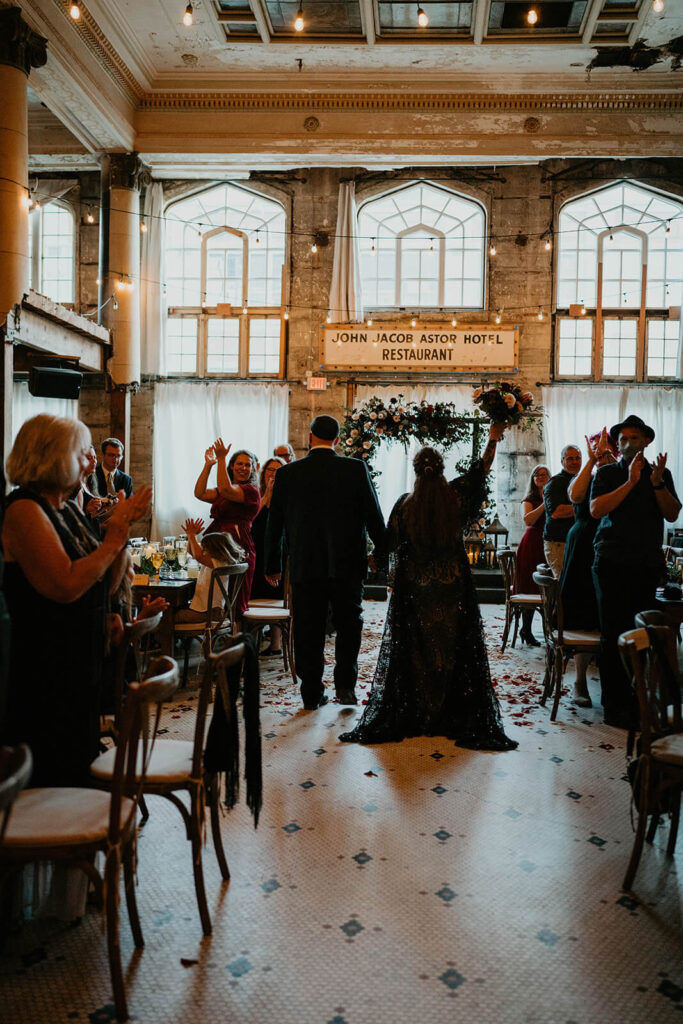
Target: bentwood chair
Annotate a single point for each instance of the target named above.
(515, 604)
(135, 644)
(278, 612)
(16, 765)
(561, 644)
(649, 654)
(224, 589)
(73, 824)
(176, 766)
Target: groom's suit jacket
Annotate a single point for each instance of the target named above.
(325, 505)
(122, 482)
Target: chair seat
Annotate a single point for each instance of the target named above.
(171, 762)
(266, 602)
(668, 749)
(61, 817)
(578, 638)
(526, 599)
(198, 627)
(266, 614)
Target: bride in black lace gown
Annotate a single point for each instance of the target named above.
(432, 676)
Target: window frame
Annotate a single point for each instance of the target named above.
(36, 263)
(205, 312)
(600, 314)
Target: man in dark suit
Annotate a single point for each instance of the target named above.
(110, 479)
(325, 505)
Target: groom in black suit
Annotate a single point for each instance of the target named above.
(324, 504)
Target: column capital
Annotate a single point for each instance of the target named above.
(125, 170)
(20, 46)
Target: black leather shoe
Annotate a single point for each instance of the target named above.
(346, 697)
(314, 707)
(528, 638)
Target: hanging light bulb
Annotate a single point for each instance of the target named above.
(116, 305)
(98, 281)
(75, 10)
(188, 16)
(27, 201)
(667, 230)
(120, 284)
(244, 308)
(583, 308)
(89, 217)
(454, 321)
(286, 314)
(611, 237)
(492, 250)
(258, 240)
(36, 204)
(329, 318)
(431, 245)
(314, 248)
(658, 5)
(369, 321)
(548, 245)
(299, 23)
(143, 227)
(422, 18)
(372, 247)
(413, 322)
(540, 313)
(532, 16)
(199, 233)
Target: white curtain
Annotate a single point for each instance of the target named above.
(394, 463)
(152, 299)
(188, 417)
(346, 301)
(24, 406)
(571, 412)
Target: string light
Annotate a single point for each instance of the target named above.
(497, 316)
(611, 237)
(143, 227)
(329, 318)
(188, 16)
(413, 322)
(583, 308)
(116, 305)
(422, 18)
(431, 247)
(36, 204)
(98, 280)
(548, 245)
(658, 5)
(667, 230)
(244, 309)
(532, 17)
(492, 250)
(454, 321)
(258, 240)
(89, 217)
(299, 23)
(75, 10)
(27, 201)
(369, 321)
(286, 314)
(372, 247)
(540, 313)
(120, 284)
(314, 248)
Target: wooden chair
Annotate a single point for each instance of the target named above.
(276, 613)
(649, 654)
(16, 765)
(561, 644)
(515, 604)
(224, 589)
(136, 636)
(176, 766)
(72, 824)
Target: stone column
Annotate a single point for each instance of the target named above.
(20, 50)
(123, 174)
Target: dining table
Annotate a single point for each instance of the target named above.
(178, 593)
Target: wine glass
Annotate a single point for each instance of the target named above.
(182, 557)
(157, 559)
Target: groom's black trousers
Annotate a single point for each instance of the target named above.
(310, 600)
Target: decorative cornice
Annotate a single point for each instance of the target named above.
(622, 101)
(105, 54)
(20, 46)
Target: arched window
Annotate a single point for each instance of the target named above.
(51, 243)
(620, 259)
(225, 250)
(422, 246)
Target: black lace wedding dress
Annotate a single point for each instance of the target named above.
(432, 676)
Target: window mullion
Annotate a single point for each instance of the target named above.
(243, 359)
(640, 338)
(202, 343)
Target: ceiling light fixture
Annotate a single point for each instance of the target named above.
(532, 17)
(657, 5)
(422, 18)
(188, 16)
(75, 10)
(299, 23)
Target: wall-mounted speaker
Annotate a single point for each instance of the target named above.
(51, 382)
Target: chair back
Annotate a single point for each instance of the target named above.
(215, 669)
(224, 589)
(16, 765)
(653, 618)
(649, 656)
(138, 728)
(135, 636)
(551, 605)
(506, 561)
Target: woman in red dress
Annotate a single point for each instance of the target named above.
(530, 550)
(235, 501)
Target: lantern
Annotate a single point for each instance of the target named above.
(494, 532)
(489, 554)
(472, 547)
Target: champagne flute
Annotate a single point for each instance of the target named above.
(157, 559)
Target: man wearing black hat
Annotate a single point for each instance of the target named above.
(632, 498)
(325, 505)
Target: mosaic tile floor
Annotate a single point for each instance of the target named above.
(407, 882)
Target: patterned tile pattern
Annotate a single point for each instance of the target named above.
(414, 881)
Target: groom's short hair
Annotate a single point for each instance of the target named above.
(325, 428)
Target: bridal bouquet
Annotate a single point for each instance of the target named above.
(503, 402)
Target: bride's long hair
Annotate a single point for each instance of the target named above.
(428, 509)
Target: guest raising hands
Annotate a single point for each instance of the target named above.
(235, 501)
(214, 551)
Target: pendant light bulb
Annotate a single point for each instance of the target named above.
(369, 321)
(583, 308)
(143, 227)
(548, 245)
(188, 16)
(422, 18)
(454, 321)
(314, 248)
(27, 202)
(116, 305)
(658, 5)
(244, 309)
(498, 317)
(372, 247)
(667, 230)
(75, 10)
(286, 314)
(492, 250)
(299, 24)
(89, 218)
(329, 318)
(540, 313)
(532, 17)
(413, 322)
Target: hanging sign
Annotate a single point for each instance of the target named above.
(434, 347)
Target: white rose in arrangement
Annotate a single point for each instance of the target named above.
(149, 550)
(510, 401)
(354, 433)
(382, 415)
(478, 392)
(397, 419)
(366, 444)
(349, 440)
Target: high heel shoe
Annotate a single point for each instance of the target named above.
(528, 638)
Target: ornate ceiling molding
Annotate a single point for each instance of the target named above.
(108, 58)
(600, 102)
